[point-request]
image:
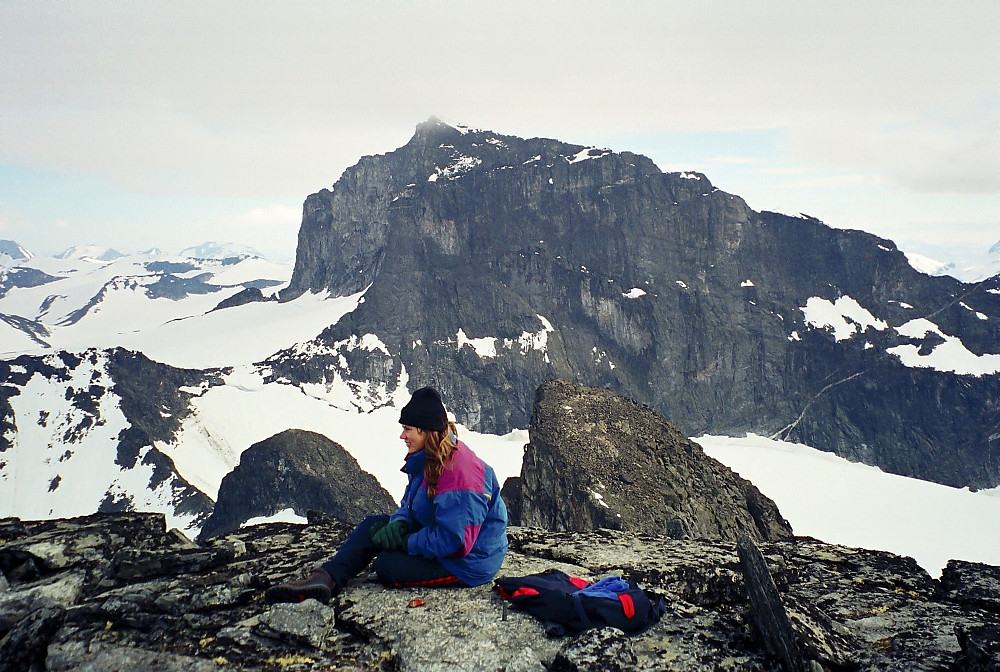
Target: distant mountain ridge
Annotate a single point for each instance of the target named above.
(971, 268)
(40, 298)
(90, 252)
(14, 251)
(207, 250)
(214, 250)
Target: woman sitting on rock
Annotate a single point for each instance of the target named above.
(449, 531)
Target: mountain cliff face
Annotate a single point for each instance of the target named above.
(493, 263)
(597, 460)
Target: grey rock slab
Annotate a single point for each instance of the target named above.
(455, 629)
(77, 657)
(61, 590)
(308, 622)
(26, 642)
(972, 583)
(599, 650)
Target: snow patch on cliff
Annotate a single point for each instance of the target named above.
(845, 316)
(951, 355)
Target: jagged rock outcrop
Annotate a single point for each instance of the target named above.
(119, 592)
(492, 263)
(297, 470)
(597, 459)
(248, 295)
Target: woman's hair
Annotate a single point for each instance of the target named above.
(438, 447)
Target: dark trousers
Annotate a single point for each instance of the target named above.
(394, 568)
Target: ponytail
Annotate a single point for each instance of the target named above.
(439, 447)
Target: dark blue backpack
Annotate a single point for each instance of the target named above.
(571, 605)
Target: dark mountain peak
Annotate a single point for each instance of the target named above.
(452, 152)
(298, 470)
(492, 263)
(433, 132)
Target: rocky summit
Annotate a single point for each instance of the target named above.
(297, 470)
(599, 460)
(120, 592)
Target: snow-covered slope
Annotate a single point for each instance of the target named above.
(155, 304)
(847, 319)
(65, 449)
(231, 417)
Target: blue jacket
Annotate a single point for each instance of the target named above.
(464, 527)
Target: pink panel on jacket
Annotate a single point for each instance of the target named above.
(471, 534)
(465, 472)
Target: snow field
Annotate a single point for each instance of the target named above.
(852, 504)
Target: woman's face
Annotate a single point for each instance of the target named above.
(414, 438)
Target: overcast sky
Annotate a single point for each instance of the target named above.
(167, 124)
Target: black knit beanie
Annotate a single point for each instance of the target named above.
(425, 411)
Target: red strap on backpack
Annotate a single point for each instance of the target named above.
(520, 592)
(628, 606)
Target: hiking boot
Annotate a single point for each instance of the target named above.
(318, 586)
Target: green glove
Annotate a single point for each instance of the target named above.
(393, 537)
(375, 527)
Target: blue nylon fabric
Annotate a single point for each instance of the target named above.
(610, 586)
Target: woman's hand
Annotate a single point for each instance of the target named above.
(393, 536)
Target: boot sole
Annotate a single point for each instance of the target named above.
(279, 594)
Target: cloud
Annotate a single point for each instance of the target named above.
(919, 154)
(834, 181)
(735, 160)
(251, 99)
(268, 102)
(270, 229)
(6, 222)
(262, 220)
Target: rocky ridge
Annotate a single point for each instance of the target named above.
(120, 592)
(599, 460)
